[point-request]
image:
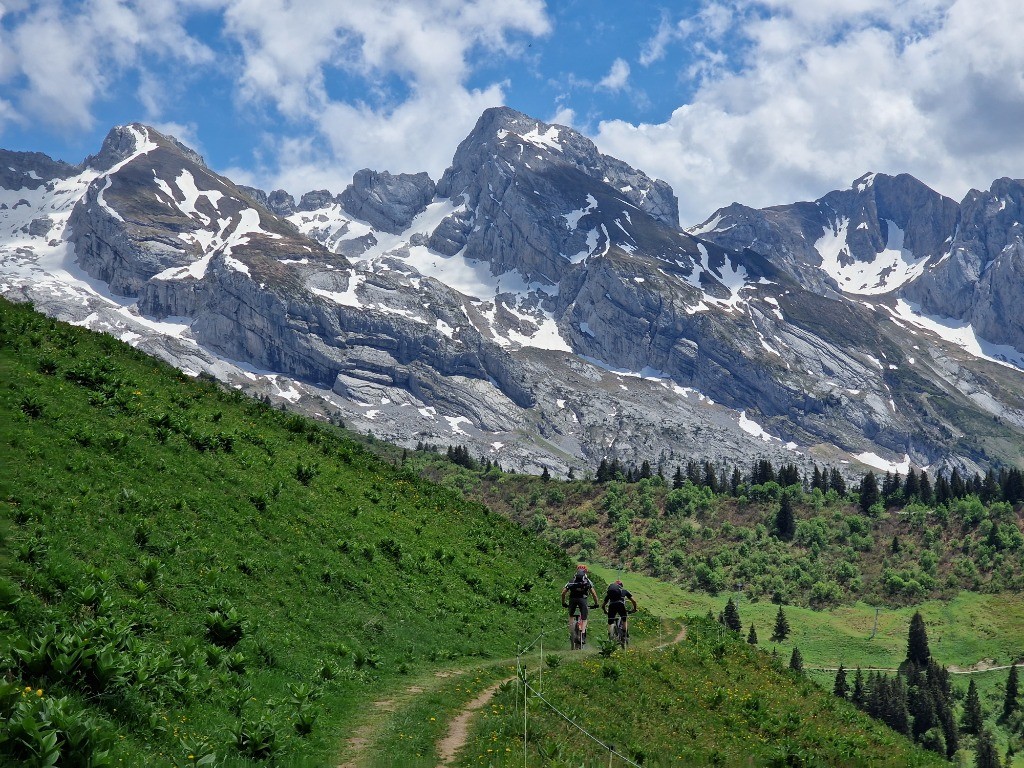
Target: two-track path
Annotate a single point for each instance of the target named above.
(359, 749)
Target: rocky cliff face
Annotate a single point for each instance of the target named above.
(979, 277)
(869, 239)
(541, 304)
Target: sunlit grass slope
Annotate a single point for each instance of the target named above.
(186, 572)
(712, 700)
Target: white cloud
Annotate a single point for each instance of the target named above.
(812, 95)
(56, 61)
(415, 57)
(617, 76)
(355, 83)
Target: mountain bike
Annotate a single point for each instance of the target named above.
(577, 636)
(619, 632)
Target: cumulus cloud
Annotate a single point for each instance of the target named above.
(414, 56)
(355, 83)
(617, 76)
(56, 61)
(811, 95)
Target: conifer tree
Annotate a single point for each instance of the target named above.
(545, 475)
(925, 492)
(974, 716)
(1010, 699)
(857, 696)
(840, 688)
(868, 492)
(785, 522)
(985, 753)
(752, 635)
(736, 481)
(710, 478)
(818, 481)
(836, 482)
(677, 478)
(917, 642)
(957, 487)
(732, 617)
(911, 487)
(796, 661)
(645, 470)
(990, 490)
(781, 631)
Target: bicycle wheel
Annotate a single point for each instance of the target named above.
(575, 636)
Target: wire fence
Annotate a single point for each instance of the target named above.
(522, 676)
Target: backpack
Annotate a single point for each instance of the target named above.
(579, 586)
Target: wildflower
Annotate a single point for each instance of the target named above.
(39, 692)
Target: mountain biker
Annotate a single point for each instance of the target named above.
(578, 590)
(615, 605)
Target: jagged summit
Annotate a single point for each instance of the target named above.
(541, 303)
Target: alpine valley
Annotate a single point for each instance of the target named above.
(541, 303)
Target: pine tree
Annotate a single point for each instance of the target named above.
(840, 688)
(911, 486)
(732, 617)
(752, 635)
(785, 522)
(710, 478)
(545, 475)
(985, 753)
(974, 716)
(796, 661)
(677, 478)
(781, 631)
(818, 481)
(736, 481)
(926, 494)
(836, 482)
(858, 695)
(917, 642)
(1010, 699)
(645, 470)
(868, 492)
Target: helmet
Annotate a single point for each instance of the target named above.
(581, 567)
(619, 582)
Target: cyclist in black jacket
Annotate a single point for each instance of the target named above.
(578, 590)
(615, 605)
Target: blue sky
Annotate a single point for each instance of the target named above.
(760, 101)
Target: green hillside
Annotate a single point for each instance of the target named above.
(711, 700)
(189, 572)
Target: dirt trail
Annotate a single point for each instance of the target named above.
(358, 744)
(458, 731)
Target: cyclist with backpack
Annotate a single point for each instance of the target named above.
(578, 590)
(615, 605)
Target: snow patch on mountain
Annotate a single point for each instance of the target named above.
(958, 332)
(891, 268)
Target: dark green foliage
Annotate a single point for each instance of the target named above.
(752, 635)
(974, 717)
(917, 641)
(868, 494)
(785, 522)
(1010, 703)
(781, 630)
(840, 687)
(796, 661)
(731, 617)
(986, 755)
